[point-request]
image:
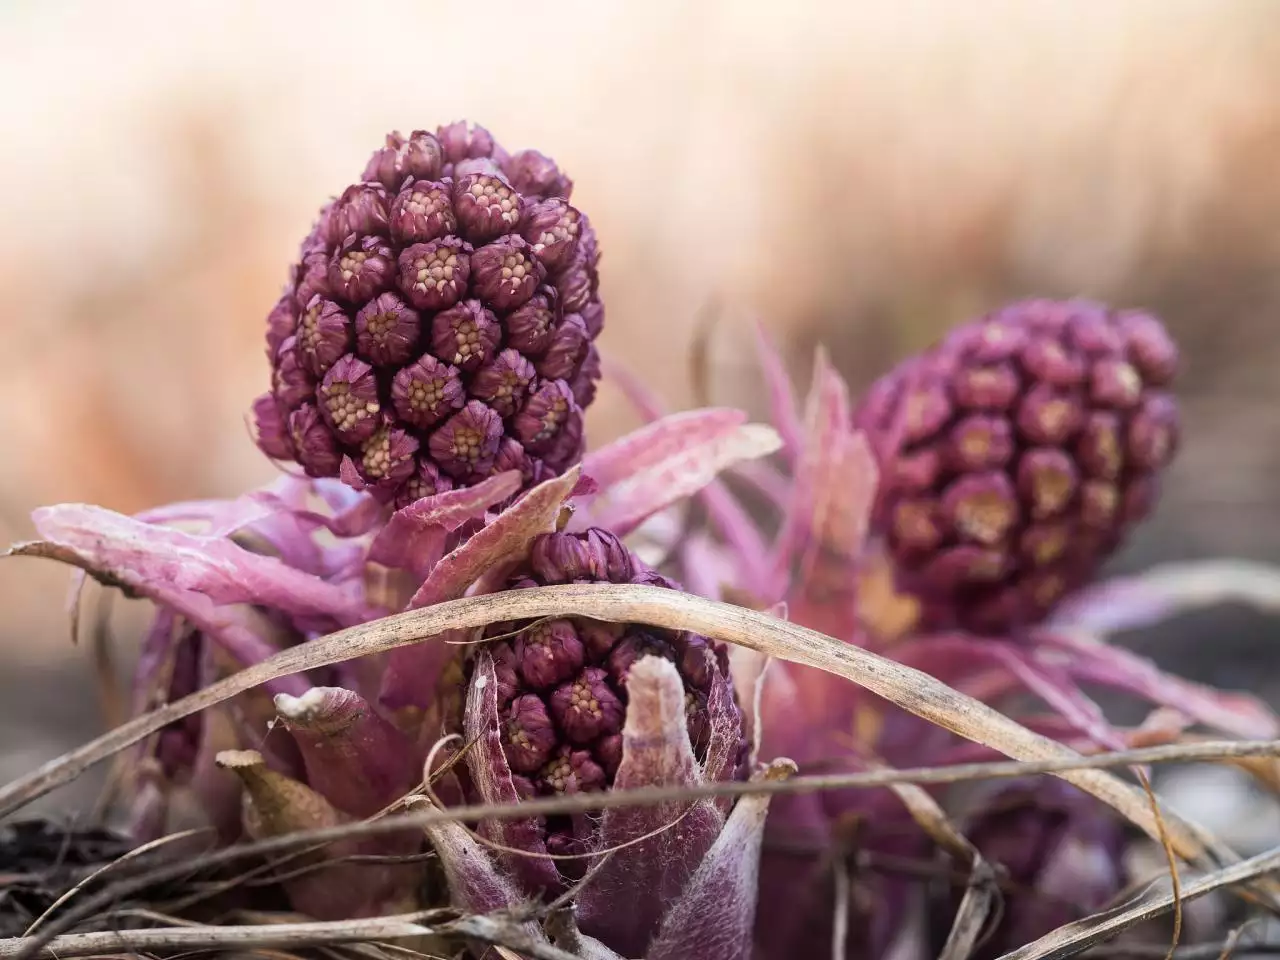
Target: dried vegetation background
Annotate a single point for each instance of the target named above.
(860, 174)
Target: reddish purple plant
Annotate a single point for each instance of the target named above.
(836, 564)
(439, 325)
(560, 707)
(570, 705)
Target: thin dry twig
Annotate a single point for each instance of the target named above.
(582, 803)
(1075, 937)
(910, 689)
(494, 930)
(133, 854)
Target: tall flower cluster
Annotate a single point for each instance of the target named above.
(1018, 453)
(439, 325)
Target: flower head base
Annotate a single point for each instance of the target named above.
(1017, 454)
(453, 276)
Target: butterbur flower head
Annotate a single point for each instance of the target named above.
(1016, 455)
(452, 277)
(1060, 854)
(569, 705)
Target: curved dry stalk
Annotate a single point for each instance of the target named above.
(491, 930)
(910, 689)
(1075, 937)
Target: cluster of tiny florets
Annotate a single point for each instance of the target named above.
(562, 684)
(1018, 453)
(439, 325)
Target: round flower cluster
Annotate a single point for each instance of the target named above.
(439, 325)
(1018, 453)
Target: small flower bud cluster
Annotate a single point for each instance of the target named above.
(562, 684)
(1018, 453)
(439, 325)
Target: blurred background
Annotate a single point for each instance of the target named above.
(858, 174)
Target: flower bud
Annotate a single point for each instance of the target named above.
(348, 398)
(506, 273)
(386, 331)
(468, 442)
(422, 212)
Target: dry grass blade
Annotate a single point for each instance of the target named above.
(980, 895)
(908, 688)
(495, 931)
(106, 868)
(588, 802)
(1075, 937)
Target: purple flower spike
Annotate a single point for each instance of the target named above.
(548, 653)
(543, 415)
(551, 228)
(348, 399)
(361, 211)
(529, 327)
(534, 173)
(271, 428)
(434, 275)
(501, 383)
(506, 273)
(422, 212)
(486, 207)
(324, 335)
(568, 349)
(1071, 422)
(529, 736)
(586, 708)
(426, 392)
(386, 331)
(466, 335)
(423, 271)
(468, 442)
(313, 442)
(420, 156)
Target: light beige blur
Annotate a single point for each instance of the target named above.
(860, 173)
